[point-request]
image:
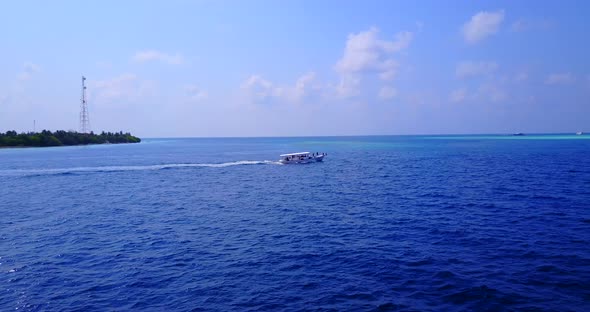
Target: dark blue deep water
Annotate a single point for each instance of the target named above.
(486, 223)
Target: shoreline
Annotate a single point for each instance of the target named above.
(21, 146)
(46, 138)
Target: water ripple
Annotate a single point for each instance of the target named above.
(440, 225)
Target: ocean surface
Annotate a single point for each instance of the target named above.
(385, 223)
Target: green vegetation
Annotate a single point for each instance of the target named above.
(59, 138)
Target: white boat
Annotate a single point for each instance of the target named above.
(301, 158)
(579, 133)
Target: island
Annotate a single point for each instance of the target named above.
(63, 138)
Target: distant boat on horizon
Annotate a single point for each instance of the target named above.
(579, 133)
(518, 134)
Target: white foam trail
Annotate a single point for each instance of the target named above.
(33, 172)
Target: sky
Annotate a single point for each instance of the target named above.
(296, 68)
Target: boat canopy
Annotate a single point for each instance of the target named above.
(295, 154)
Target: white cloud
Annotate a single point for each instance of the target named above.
(387, 93)
(492, 93)
(521, 76)
(458, 95)
(257, 86)
(348, 86)
(28, 70)
(256, 80)
(260, 88)
(152, 55)
(486, 92)
(195, 93)
(123, 87)
(482, 25)
(559, 78)
(365, 52)
(114, 87)
(525, 24)
(402, 41)
(468, 69)
(389, 70)
(303, 85)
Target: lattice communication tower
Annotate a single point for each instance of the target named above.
(84, 117)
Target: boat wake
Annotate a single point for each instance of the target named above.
(75, 170)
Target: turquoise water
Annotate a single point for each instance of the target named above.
(409, 223)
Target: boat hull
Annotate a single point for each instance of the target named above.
(306, 160)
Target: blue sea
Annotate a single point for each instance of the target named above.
(385, 223)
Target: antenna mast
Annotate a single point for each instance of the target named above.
(84, 117)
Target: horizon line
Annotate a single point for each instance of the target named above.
(357, 135)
